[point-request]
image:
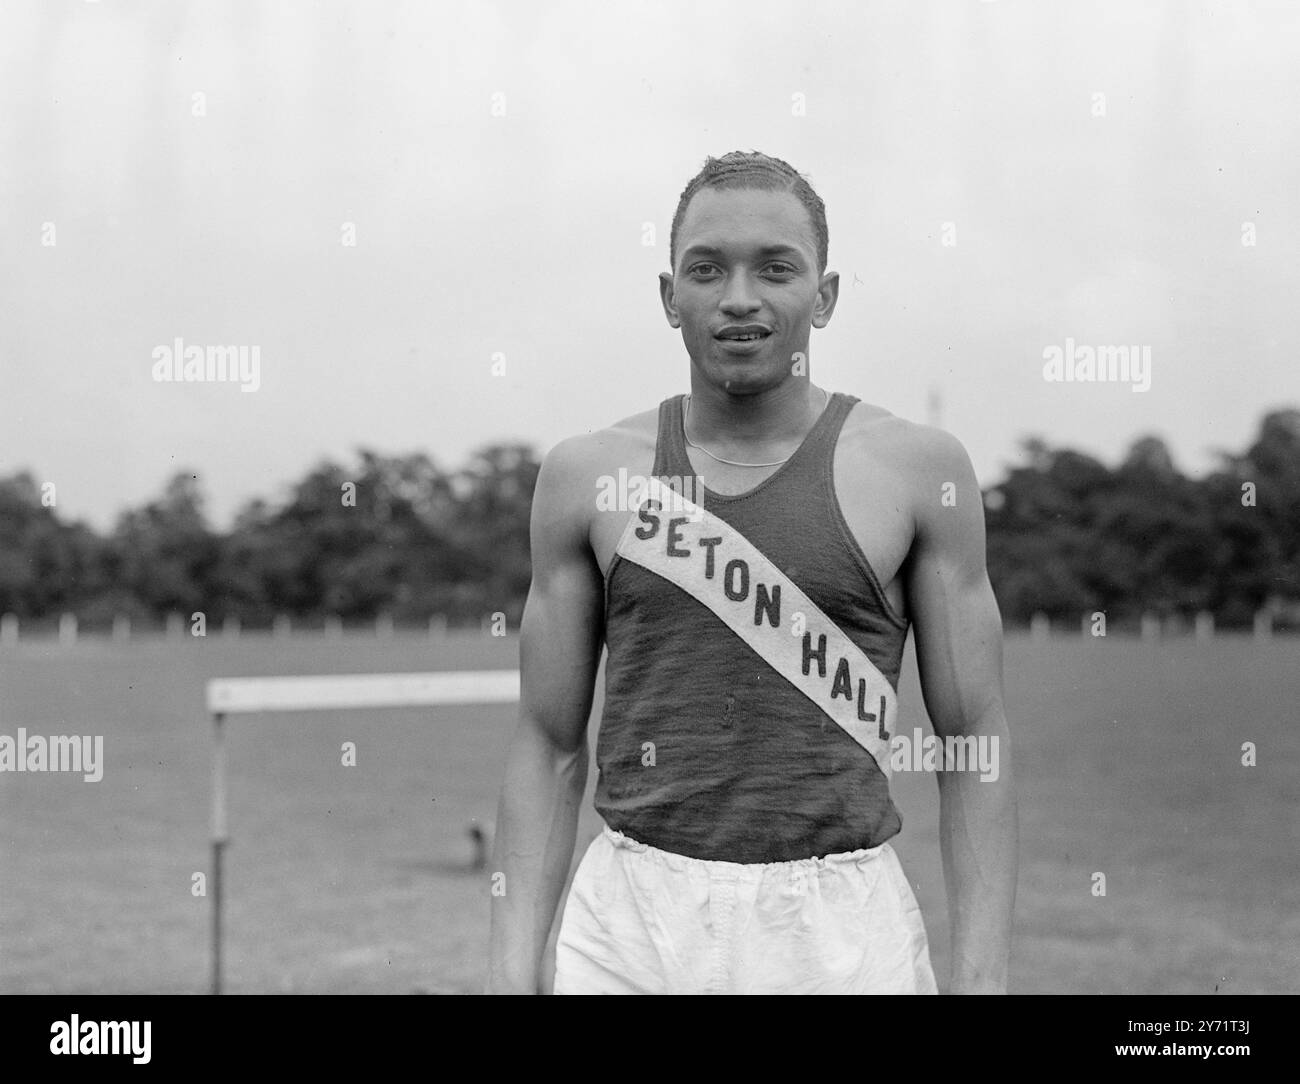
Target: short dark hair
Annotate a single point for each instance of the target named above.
(755, 170)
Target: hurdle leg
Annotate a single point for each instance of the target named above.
(219, 839)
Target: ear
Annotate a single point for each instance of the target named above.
(666, 297)
(828, 293)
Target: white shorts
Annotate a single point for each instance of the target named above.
(639, 920)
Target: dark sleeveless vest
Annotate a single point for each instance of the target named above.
(745, 767)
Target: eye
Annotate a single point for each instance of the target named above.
(698, 269)
(782, 269)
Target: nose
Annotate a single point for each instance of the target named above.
(739, 297)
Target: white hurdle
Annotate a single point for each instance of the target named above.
(248, 696)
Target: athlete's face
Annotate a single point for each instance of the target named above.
(745, 291)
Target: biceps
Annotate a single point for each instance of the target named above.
(958, 634)
(560, 651)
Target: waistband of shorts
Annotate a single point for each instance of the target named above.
(718, 867)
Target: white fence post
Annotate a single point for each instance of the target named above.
(9, 629)
(67, 629)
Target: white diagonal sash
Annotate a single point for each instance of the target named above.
(721, 569)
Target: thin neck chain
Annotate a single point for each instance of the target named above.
(731, 462)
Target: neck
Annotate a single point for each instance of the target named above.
(781, 414)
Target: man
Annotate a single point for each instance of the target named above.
(755, 626)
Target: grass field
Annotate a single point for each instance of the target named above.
(356, 879)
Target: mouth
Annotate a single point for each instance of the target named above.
(742, 338)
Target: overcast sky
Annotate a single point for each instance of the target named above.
(195, 165)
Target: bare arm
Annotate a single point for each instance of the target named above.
(959, 652)
(547, 767)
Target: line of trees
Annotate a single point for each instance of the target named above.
(397, 535)
(1068, 535)
(392, 535)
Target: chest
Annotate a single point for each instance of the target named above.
(872, 502)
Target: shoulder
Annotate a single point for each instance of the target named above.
(613, 446)
(922, 469)
(920, 453)
(573, 469)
